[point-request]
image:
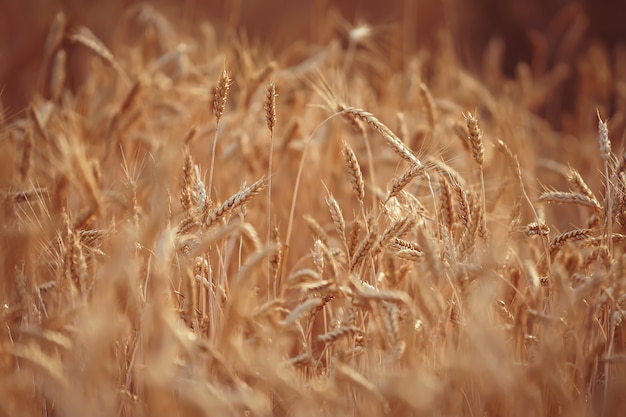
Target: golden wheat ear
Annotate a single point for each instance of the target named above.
(392, 139)
(220, 95)
(232, 203)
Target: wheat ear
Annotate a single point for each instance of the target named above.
(186, 194)
(476, 142)
(400, 183)
(337, 217)
(571, 198)
(233, 202)
(85, 37)
(354, 170)
(392, 139)
(363, 249)
(560, 240)
(446, 206)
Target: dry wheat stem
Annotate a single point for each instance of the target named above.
(270, 118)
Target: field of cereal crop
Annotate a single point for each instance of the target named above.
(248, 209)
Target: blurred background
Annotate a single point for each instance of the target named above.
(522, 25)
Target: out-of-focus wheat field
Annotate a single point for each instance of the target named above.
(401, 208)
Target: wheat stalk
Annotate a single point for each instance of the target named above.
(220, 97)
(270, 118)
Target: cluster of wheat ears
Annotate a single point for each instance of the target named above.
(198, 228)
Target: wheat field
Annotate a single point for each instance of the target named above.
(202, 226)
